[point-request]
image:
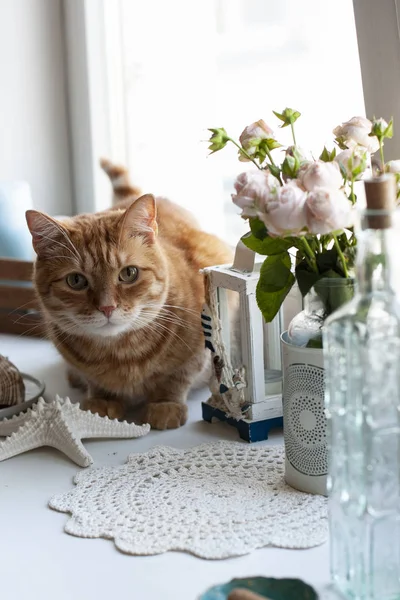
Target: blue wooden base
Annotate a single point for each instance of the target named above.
(251, 431)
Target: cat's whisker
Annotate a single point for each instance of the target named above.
(163, 310)
(31, 329)
(63, 335)
(21, 318)
(165, 306)
(19, 308)
(164, 327)
(178, 323)
(155, 330)
(169, 319)
(189, 310)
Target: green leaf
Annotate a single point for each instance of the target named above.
(288, 165)
(261, 154)
(327, 156)
(276, 280)
(280, 116)
(218, 140)
(389, 129)
(381, 129)
(272, 144)
(305, 278)
(341, 142)
(356, 171)
(343, 170)
(258, 228)
(288, 116)
(268, 246)
(275, 171)
(327, 261)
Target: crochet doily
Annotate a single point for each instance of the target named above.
(215, 500)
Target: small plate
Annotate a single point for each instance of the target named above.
(266, 587)
(33, 390)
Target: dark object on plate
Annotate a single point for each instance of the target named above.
(33, 390)
(12, 387)
(264, 587)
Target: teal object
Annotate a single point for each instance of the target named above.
(15, 238)
(269, 587)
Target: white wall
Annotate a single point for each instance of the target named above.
(378, 29)
(34, 143)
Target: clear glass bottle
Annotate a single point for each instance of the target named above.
(362, 368)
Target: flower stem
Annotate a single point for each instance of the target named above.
(381, 153)
(246, 154)
(273, 163)
(309, 254)
(294, 137)
(353, 198)
(341, 255)
(270, 156)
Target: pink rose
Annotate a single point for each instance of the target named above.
(304, 155)
(321, 174)
(302, 170)
(352, 160)
(327, 210)
(254, 189)
(393, 166)
(284, 214)
(356, 131)
(251, 137)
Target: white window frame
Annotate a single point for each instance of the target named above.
(96, 99)
(95, 96)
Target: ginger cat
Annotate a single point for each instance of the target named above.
(121, 295)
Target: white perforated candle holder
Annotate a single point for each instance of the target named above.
(306, 455)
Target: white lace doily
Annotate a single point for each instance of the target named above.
(215, 501)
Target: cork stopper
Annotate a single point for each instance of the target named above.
(380, 195)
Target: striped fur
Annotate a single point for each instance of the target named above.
(153, 346)
(119, 177)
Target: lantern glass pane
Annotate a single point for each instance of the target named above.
(272, 344)
(272, 355)
(228, 310)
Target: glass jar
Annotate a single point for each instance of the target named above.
(326, 296)
(362, 398)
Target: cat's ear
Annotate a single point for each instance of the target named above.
(45, 233)
(140, 219)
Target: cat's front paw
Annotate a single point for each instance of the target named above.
(166, 415)
(114, 409)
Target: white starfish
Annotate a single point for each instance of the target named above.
(62, 425)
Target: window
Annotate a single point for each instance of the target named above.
(159, 74)
(211, 63)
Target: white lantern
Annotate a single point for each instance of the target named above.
(246, 353)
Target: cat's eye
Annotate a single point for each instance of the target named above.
(128, 274)
(76, 281)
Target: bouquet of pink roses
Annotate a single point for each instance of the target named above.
(301, 203)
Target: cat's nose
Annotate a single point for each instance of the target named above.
(107, 310)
